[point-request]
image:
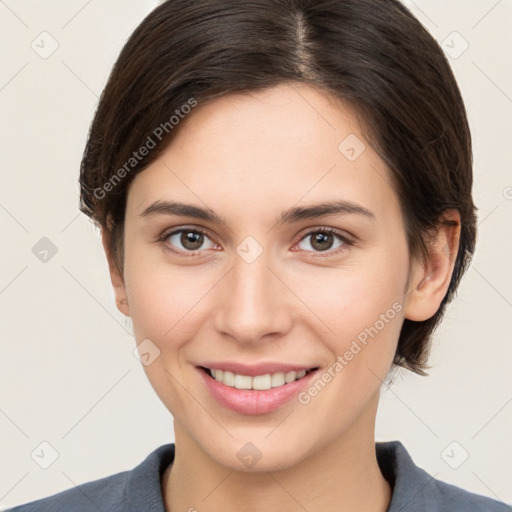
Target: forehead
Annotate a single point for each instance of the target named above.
(261, 151)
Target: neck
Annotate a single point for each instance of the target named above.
(344, 475)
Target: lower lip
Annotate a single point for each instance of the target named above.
(254, 402)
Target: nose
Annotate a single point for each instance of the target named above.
(254, 303)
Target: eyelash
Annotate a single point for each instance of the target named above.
(194, 254)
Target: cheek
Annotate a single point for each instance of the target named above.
(361, 311)
(165, 301)
(167, 306)
(351, 298)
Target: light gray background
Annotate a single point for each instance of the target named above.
(68, 374)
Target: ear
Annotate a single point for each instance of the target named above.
(116, 279)
(429, 281)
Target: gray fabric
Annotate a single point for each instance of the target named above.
(138, 490)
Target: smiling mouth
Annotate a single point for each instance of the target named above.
(258, 382)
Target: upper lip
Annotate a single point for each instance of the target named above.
(252, 370)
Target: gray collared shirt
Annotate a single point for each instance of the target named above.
(138, 490)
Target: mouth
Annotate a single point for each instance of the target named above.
(257, 382)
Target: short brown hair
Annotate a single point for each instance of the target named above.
(373, 54)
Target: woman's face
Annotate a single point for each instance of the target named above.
(263, 287)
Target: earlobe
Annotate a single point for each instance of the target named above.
(430, 279)
(116, 279)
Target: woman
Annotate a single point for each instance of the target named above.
(284, 193)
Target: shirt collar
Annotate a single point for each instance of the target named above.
(411, 486)
(143, 491)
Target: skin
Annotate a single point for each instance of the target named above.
(248, 157)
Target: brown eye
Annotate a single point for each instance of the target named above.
(323, 240)
(191, 240)
(188, 240)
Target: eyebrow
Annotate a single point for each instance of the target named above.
(289, 216)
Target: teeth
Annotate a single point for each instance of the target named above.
(260, 382)
(243, 382)
(277, 379)
(290, 377)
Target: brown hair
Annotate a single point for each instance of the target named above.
(373, 54)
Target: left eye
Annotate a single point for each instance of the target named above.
(322, 240)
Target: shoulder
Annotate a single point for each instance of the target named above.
(137, 489)
(414, 489)
(460, 499)
(96, 495)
